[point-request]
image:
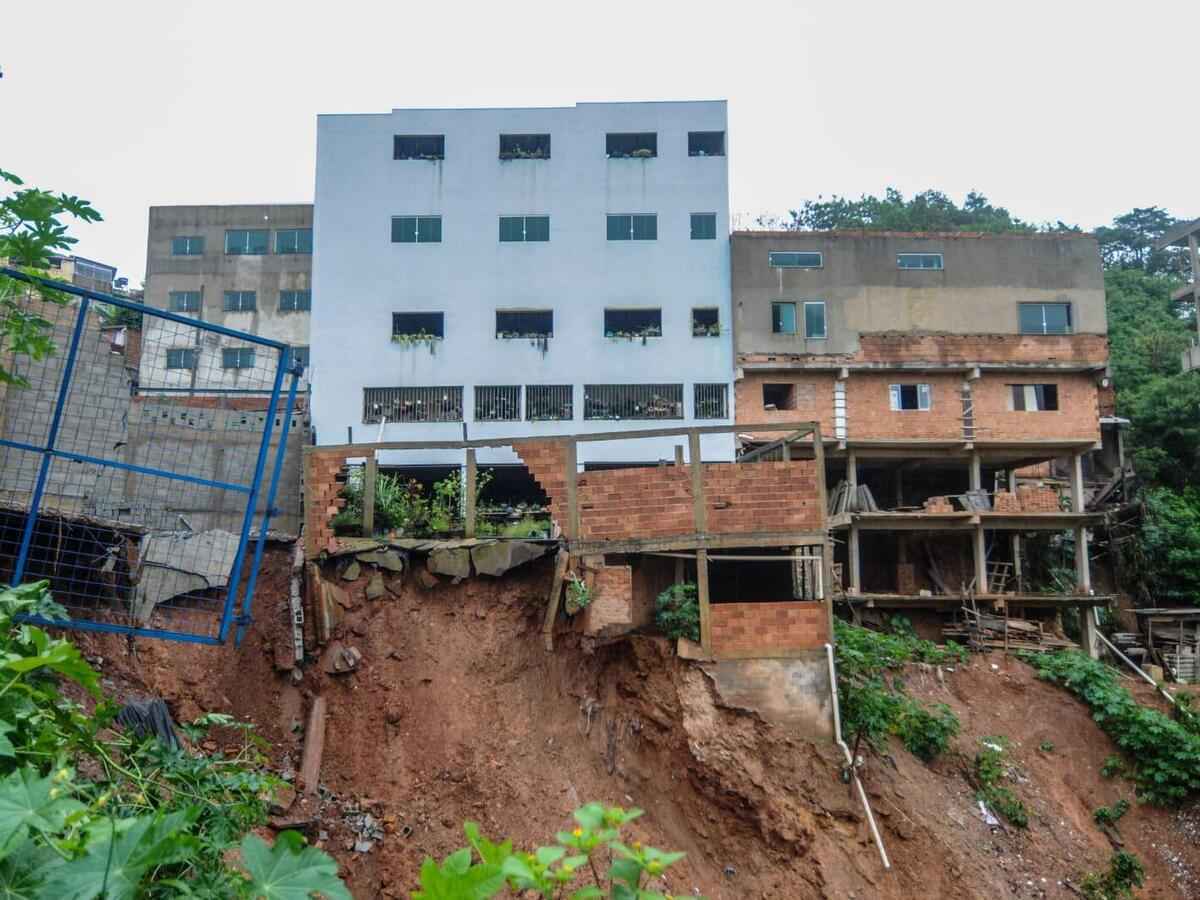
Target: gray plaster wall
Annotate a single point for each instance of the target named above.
(977, 291)
(789, 692)
(213, 273)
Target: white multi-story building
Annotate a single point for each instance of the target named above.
(523, 271)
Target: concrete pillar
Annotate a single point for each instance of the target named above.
(852, 470)
(979, 551)
(976, 472)
(1077, 482)
(1083, 569)
(1089, 643)
(1016, 538)
(853, 562)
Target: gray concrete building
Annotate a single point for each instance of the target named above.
(247, 267)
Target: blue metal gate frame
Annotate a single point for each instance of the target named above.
(230, 615)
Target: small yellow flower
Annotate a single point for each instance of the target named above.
(578, 832)
(637, 845)
(55, 793)
(62, 775)
(568, 869)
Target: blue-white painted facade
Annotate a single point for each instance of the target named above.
(362, 277)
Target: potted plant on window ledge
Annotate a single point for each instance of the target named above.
(539, 339)
(417, 338)
(647, 332)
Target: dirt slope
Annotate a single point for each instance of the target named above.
(456, 712)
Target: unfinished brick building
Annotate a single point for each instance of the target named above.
(938, 366)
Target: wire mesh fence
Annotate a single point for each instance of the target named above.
(139, 464)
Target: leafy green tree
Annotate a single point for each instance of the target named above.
(31, 230)
(927, 211)
(1147, 331)
(1129, 243)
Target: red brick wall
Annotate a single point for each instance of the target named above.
(656, 501)
(869, 414)
(321, 501)
(747, 630)
(813, 393)
(1077, 416)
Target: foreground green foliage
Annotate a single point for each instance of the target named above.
(31, 231)
(990, 772)
(1124, 873)
(874, 707)
(570, 868)
(145, 820)
(677, 612)
(1163, 754)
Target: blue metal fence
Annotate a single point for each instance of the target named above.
(133, 464)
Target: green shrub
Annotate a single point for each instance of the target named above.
(1124, 873)
(990, 771)
(1110, 815)
(677, 612)
(875, 708)
(1163, 753)
(1112, 767)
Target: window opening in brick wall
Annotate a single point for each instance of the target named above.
(412, 404)
(929, 261)
(783, 317)
(549, 402)
(793, 259)
(514, 229)
(706, 143)
(419, 146)
(631, 145)
(910, 396)
(633, 401)
(633, 323)
(498, 403)
(1044, 318)
(1033, 397)
(524, 146)
(525, 323)
(779, 396)
(704, 226)
(416, 229)
(710, 401)
(706, 321)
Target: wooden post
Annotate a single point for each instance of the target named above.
(469, 496)
(980, 553)
(679, 455)
(702, 596)
(1016, 537)
(556, 586)
(699, 506)
(314, 748)
(571, 526)
(369, 475)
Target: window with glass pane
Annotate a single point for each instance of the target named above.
(1033, 397)
(295, 301)
(932, 261)
(240, 301)
(790, 259)
(620, 228)
(910, 396)
(419, 146)
(187, 245)
(814, 319)
(783, 318)
(184, 301)
(416, 229)
(293, 240)
(300, 356)
(237, 358)
(706, 143)
(624, 227)
(524, 228)
(181, 358)
(704, 226)
(243, 242)
(1045, 318)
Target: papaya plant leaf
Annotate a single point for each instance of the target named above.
(27, 800)
(290, 870)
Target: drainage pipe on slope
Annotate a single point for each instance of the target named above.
(837, 736)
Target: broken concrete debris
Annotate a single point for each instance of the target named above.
(351, 571)
(375, 588)
(497, 558)
(173, 563)
(452, 561)
(340, 658)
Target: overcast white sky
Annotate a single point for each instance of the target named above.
(1055, 109)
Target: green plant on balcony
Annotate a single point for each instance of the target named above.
(415, 339)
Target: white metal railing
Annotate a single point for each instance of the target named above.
(549, 402)
(413, 404)
(498, 403)
(633, 401)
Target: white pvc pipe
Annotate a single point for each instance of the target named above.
(1129, 662)
(837, 736)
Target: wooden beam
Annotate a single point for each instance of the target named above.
(702, 596)
(469, 496)
(699, 506)
(314, 748)
(571, 526)
(368, 503)
(561, 561)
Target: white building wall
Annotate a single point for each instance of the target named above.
(362, 277)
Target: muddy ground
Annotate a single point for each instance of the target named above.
(456, 712)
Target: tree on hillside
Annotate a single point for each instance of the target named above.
(1129, 243)
(31, 230)
(1147, 330)
(927, 211)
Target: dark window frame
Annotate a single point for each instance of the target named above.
(190, 241)
(701, 143)
(627, 323)
(240, 359)
(182, 358)
(776, 259)
(423, 230)
(174, 304)
(705, 233)
(302, 355)
(420, 325)
(510, 238)
(921, 255)
(522, 324)
(1045, 396)
(706, 325)
(497, 402)
(710, 400)
(1042, 306)
(637, 402)
(428, 147)
(543, 400)
(299, 238)
(824, 335)
(239, 305)
(903, 393)
(635, 219)
(779, 394)
(777, 321)
(295, 304)
(631, 144)
(524, 146)
(249, 246)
